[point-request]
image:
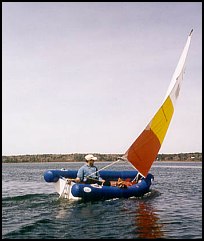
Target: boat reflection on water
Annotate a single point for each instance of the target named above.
(140, 219)
(148, 222)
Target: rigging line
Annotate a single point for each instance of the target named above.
(94, 179)
(105, 167)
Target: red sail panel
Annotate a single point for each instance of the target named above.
(143, 151)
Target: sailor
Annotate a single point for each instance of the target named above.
(88, 173)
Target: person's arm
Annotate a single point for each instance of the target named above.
(101, 179)
(98, 175)
(77, 179)
(80, 176)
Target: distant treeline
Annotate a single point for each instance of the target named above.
(196, 156)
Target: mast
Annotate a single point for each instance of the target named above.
(144, 150)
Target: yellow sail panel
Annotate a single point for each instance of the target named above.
(161, 120)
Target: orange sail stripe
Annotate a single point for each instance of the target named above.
(143, 151)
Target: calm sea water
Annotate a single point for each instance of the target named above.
(31, 208)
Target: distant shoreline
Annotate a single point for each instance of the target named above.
(186, 161)
(185, 157)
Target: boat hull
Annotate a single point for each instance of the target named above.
(97, 192)
(89, 192)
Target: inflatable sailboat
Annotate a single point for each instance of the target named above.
(141, 154)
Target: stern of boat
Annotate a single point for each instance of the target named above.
(64, 189)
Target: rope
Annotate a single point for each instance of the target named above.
(105, 167)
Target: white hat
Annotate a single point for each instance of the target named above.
(90, 157)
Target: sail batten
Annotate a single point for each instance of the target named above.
(144, 150)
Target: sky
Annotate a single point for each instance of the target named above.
(88, 77)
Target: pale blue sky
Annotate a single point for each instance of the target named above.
(88, 77)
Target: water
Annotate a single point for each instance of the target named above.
(31, 208)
